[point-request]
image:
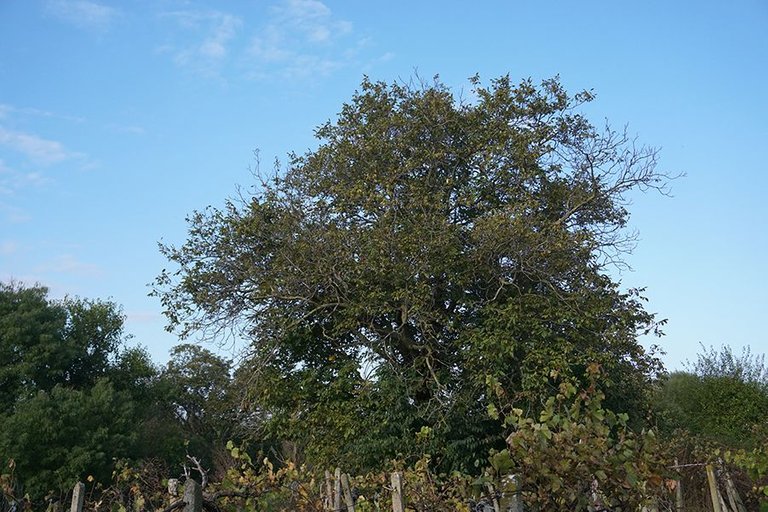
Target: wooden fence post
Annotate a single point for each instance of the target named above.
(328, 501)
(713, 492)
(337, 490)
(398, 499)
(678, 492)
(347, 493)
(193, 496)
(78, 497)
(494, 498)
(511, 501)
(173, 487)
(733, 495)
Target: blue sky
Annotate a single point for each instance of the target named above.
(117, 119)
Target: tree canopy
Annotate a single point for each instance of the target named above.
(69, 388)
(426, 245)
(44, 343)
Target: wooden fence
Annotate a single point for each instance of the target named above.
(338, 496)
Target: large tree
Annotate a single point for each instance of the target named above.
(428, 246)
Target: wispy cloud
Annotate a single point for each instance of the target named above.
(130, 129)
(6, 109)
(8, 247)
(7, 176)
(25, 157)
(68, 264)
(301, 38)
(83, 14)
(311, 18)
(212, 34)
(295, 39)
(12, 180)
(39, 150)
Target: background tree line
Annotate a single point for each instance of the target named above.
(432, 280)
(75, 398)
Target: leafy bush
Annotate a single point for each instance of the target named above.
(578, 454)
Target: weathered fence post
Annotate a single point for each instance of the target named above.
(678, 492)
(723, 505)
(328, 502)
(173, 487)
(511, 501)
(733, 495)
(337, 490)
(679, 504)
(494, 498)
(713, 492)
(78, 497)
(652, 507)
(398, 498)
(193, 496)
(347, 493)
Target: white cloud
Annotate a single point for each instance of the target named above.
(296, 39)
(305, 10)
(12, 180)
(82, 13)
(388, 56)
(25, 155)
(311, 18)
(215, 45)
(381, 59)
(301, 38)
(213, 34)
(37, 149)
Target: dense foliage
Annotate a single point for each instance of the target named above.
(578, 455)
(74, 398)
(722, 400)
(67, 388)
(197, 387)
(426, 244)
(44, 344)
(719, 409)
